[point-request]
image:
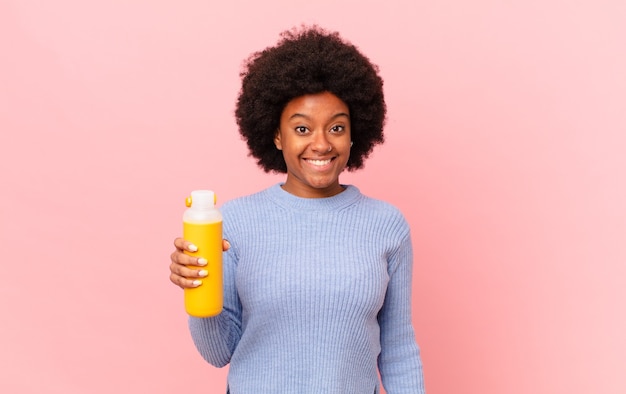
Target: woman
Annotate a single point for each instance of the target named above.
(317, 276)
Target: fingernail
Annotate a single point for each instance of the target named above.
(197, 283)
(202, 261)
(203, 273)
(192, 248)
(228, 244)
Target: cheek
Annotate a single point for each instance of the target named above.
(294, 145)
(342, 143)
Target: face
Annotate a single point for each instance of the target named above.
(314, 135)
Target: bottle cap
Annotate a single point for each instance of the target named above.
(202, 199)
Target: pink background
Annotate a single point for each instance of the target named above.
(505, 150)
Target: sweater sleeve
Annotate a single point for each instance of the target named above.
(217, 337)
(399, 362)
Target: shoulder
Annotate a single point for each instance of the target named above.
(245, 215)
(381, 207)
(250, 201)
(383, 213)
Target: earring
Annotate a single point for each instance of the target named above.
(351, 143)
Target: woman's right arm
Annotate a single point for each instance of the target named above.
(215, 337)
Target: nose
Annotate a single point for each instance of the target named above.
(321, 143)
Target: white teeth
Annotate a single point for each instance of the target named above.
(319, 162)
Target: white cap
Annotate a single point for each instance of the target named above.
(202, 199)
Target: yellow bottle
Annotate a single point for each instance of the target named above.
(202, 226)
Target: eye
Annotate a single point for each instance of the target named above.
(337, 129)
(301, 129)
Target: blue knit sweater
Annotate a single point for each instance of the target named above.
(317, 297)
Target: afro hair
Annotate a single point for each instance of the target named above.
(309, 60)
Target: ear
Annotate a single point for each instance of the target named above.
(277, 140)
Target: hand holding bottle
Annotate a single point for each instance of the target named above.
(180, 274)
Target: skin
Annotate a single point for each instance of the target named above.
(314, 136)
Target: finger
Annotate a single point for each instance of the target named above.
(184, 272)
(184, 259)
(181, 244)
(185, 283)
(188, 273)
(179, 257)
(225, 245)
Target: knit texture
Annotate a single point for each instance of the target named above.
(317, 297)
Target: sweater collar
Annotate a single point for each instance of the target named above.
(283, 198)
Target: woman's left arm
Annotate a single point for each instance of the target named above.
(399, 362)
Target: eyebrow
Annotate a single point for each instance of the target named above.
(335, 116)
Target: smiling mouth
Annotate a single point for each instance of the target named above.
(318, 162)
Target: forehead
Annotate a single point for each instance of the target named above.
(324, 103)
